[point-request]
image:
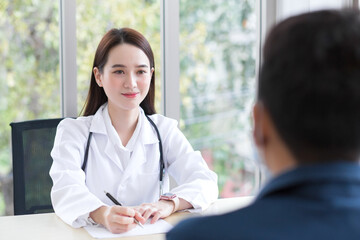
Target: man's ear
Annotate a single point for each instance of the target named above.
(259, 132)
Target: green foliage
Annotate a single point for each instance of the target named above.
(217, 62)
(29, 73)
(29, 85)
(217, 59)
(93, 22)
(29, 53)
(2, 204)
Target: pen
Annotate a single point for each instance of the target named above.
(112, 198)
(119, 204)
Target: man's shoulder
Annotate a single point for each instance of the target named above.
(263, 219)
(225, 226)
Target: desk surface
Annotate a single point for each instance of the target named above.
(49, 226)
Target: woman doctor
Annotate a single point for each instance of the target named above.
(125, 147)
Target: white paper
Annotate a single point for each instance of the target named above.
(160, 226)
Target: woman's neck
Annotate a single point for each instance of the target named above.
(124, 122)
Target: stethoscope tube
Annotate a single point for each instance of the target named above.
(162, 164)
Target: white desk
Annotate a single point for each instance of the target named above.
(48, 226)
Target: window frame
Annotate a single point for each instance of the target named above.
(170, 101)
(67, 52)
(267, 12)
(170, 62)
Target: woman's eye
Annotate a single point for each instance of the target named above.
(119, 72)
(141, 72)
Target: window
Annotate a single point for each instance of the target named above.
(29, 69)
(287, 8)
(30, 75)
(94, 18)
(217, 86)
(217, 68)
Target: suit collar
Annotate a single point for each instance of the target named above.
(336, 172)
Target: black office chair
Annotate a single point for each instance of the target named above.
(32, 142)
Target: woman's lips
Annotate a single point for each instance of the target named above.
(130, 95)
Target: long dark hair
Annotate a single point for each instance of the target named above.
(96, 95)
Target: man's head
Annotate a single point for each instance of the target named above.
(309, 86)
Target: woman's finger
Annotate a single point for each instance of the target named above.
(156, 217)
(139, 217)
(126, 211)
(148, 213)
(123, 220)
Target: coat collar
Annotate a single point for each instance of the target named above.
(329, 172)
(97, 123)
(147, 133)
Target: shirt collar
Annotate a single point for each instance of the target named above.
(329, 172)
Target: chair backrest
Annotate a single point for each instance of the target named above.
(32, 142)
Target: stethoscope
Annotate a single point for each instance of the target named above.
(162, 164)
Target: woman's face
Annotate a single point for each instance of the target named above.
(126, 77)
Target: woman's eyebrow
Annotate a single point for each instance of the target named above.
(118, 65)
(123, 66)
(142, 66)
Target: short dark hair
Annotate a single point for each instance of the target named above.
(96, 95)
(310, 84)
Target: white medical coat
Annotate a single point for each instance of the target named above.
(131, 176)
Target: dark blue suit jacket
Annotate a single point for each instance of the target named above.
(312, 202)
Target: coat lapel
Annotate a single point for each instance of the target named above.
(98, 127)
(139, 156)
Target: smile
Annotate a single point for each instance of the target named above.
(130, 95)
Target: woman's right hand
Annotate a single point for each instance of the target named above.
(116, 219)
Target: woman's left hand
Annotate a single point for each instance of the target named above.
(156, 210)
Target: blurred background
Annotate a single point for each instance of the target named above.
(218, 56)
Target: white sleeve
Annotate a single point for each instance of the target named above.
(71, 199)
(197, 184)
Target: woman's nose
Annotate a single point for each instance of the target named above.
(130, 81)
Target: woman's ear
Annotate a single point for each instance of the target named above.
(152, 72)
(97, 75)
